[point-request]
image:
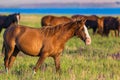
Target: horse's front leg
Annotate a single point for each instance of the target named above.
(115, 33)
(39, 62)
(118, 29)
(57, 62)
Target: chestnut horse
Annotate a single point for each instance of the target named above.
(42, 42)
(7, 20)
(50, 20)
(100, 25)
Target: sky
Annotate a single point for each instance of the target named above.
(51, 1)
(10, 3)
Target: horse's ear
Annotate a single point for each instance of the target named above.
(79, 19)
(74, 19)
(84, 20)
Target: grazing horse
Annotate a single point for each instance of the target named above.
(42, 42)
(50, 20)
(100, 25)
(6, 21)
(107, 23)
(90, 23)
(111, 23)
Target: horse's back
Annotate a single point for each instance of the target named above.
(45, 21)
(92, 17)
(19, 31)
(111, 22)
(54, 20)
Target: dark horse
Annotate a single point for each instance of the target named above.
(111, 23)
(107, 23)
(91, 22)
(7, 20)
(50, 20)
(43, 42)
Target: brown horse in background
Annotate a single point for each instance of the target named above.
(50, 20)
(43, 42)
(100, 25)
(7, 20)
(90, 23)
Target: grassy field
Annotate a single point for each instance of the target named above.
(99, 61)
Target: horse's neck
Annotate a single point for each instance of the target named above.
(67, 32)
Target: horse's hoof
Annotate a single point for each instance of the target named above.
(34, 72)
(7, 70)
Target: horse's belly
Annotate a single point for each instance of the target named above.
(30, 51)
(30, 48)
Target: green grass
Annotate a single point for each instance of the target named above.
(78, 61)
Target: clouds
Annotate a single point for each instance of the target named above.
(18, 2)
(51, 1)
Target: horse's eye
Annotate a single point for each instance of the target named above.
(82, 29)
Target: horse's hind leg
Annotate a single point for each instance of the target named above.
(13, 57)
(8, 53)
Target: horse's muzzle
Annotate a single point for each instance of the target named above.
(88, 41)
